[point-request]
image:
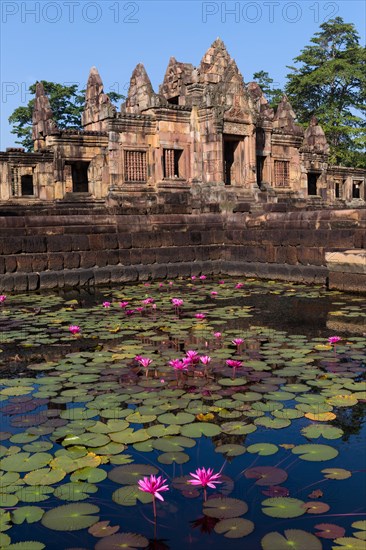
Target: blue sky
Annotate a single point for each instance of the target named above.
(59, 40)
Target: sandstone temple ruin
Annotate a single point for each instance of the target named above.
(206, 140)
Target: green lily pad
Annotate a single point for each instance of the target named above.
(224, 507)
(29, 514)
(325, 430)
(237, 428)
(170, 458)
(234, 528)
(129, 541)
(336, 473)
(314, 452)
(91, 475)
(26, 545)
(25, 462)
(263, 449)
(129, 474)
(176, 419)
(198, 429)
(130, 496)
(71, 517)
(230, 449)
(293, 538)
(349, 543)
(44, 476)
(75, 491)
(283, 507)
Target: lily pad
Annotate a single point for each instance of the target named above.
(234, 528)
(129, 474)
(315, 452)
(130, 496)
(263, 449)
(283, 507)
(224, 507)
(28, 514)
(71, 517)
(230, 449)
(129, 541)
(293, 538)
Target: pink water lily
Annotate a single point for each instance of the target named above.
(234, 365)
(74, 329)
(204, 478)
(2, 298)
(178, 365)
(123, 304)
(153, 485)
(177, 302)
(145, 362)
(239, 285)
(237, 341)
(106, 304)
(193, 277)
(214, 293)
(217, 335)
(334, 339)
(200, 316)
(203, 277)
(192, 357)
(205, 359)
(148, 301)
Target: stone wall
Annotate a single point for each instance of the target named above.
(86, 245)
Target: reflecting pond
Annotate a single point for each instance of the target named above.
(102, 389)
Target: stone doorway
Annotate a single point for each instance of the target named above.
(231, 160)
(27, 188)
(79, 175)
(313, 183)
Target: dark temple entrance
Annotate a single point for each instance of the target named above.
(79, 174)
(313, 183)
(230, 146)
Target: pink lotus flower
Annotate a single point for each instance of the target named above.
(178, 365)
(123, 304)
(204, 478)
(106, 304)
(334, 339)
(2, 298)
(192, 356)
(153, 485)
(200, 316)
(233, 363)
(205, 359)
(145, 362)
(237, 341)
(74, 329)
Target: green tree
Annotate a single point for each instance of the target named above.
(329, 81)
(67, 104)
(273, 95)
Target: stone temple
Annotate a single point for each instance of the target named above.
(205, 142)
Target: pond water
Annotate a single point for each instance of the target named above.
(283, 423)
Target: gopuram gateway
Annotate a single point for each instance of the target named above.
(206, 141)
